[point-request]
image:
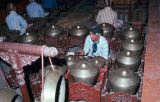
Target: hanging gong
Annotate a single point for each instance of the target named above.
(54, 87)
(9, 95)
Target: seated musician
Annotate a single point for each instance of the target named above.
(95, 44)
(108, 15)
(35, 10)
(14, 21)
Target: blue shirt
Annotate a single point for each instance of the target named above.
(35, 10)
(101, 50)
(16, 22)
(49, 4)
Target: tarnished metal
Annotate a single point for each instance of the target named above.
(79, 31)
(2, 37)
(87, 92)
(12, 36)
(126, 59)
(135, 46)
(54, 31)
(9, 95)
(28, 38)
(54, 87)
(130, 33)
(84, 71)
(72, 60)
(60, 69)
(47, 69)
(98, 61)
(108, 30)
(124, 80)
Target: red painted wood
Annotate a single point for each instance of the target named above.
(151, 83)
(13, 51)
(21, 48)
(24, 92)
(89, 93)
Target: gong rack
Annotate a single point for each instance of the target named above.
(120, 96)
(89, 93)
(20, 55)
(66, 42)
(99, 92)
(63, 42)
(110, 96)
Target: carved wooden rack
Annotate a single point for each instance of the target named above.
(89, 93)
(20, 55)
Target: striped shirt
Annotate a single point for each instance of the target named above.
(16, 22)
(35, 10)
(102, 47)
(107, 15)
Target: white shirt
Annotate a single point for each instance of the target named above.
(102, 47)
(107, 15)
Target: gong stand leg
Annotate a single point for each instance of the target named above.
(16, 65)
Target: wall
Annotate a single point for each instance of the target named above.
(151, 83)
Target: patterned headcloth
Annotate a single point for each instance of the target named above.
(96, 30)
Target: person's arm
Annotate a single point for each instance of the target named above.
(27, 9)
(115, 19)
(105, 48)
(7, 21)
(23, 24)
(41, 11)
(98, 18)
(86, 48)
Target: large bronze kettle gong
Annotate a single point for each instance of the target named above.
(130, 33)
(108, 30)
(2, 38)
(85, 72)
(79, 31)
(98, 61)
(124, 80)
(72, 60)
(135, 46)
(12, 36)
(126, 59)
(60, 69)
(54, 87)
(9, 95)
(54, 31)
(28, 38)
